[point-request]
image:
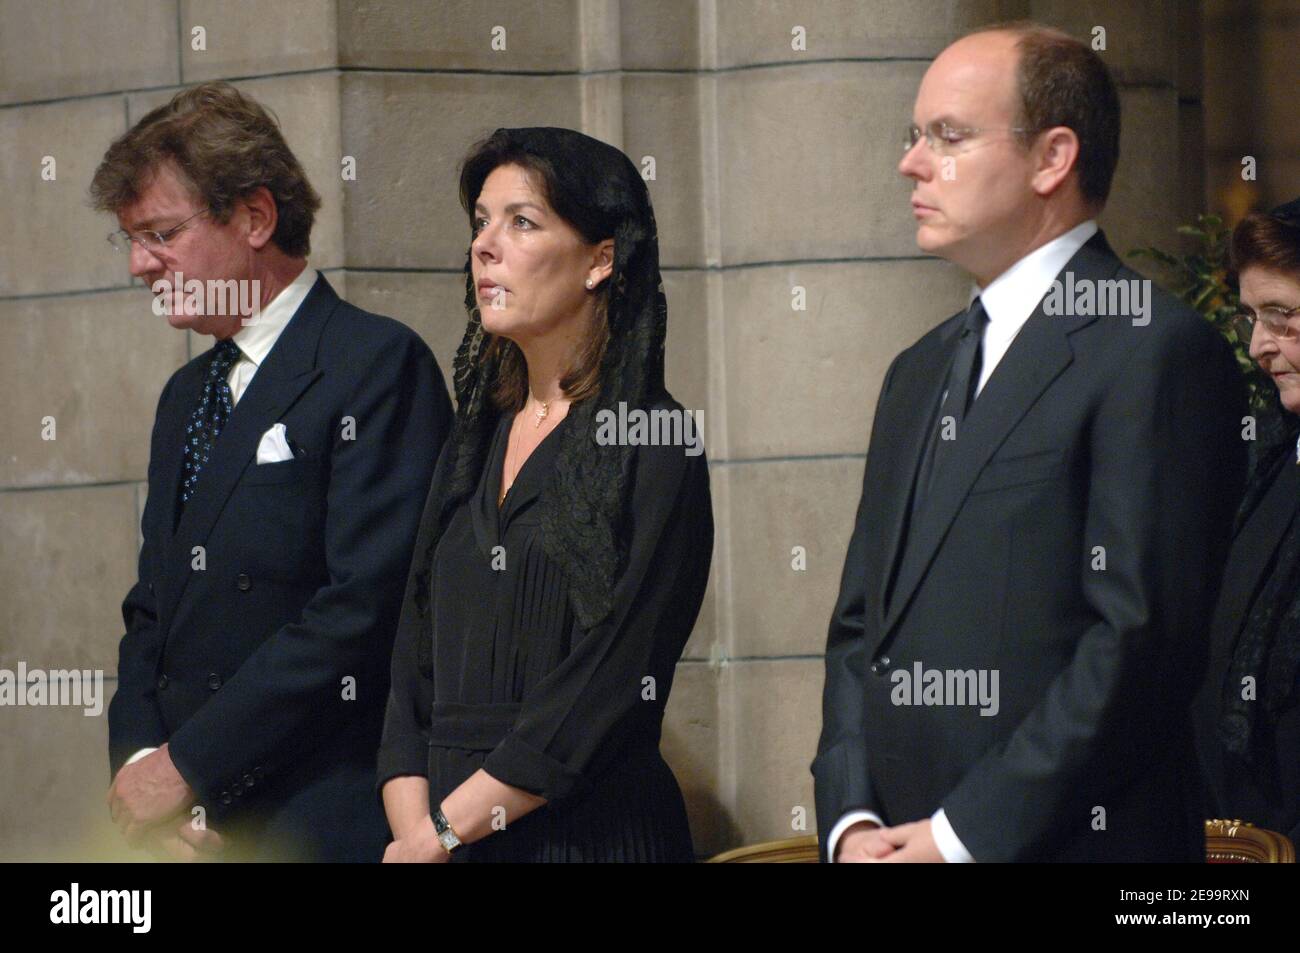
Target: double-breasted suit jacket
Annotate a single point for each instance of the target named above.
(260, 630)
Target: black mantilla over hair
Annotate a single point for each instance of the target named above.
(583, 517)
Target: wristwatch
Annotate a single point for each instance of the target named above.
(446, 836)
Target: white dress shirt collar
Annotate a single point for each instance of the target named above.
(1013, 295)
(255, 340)
(1011, 298)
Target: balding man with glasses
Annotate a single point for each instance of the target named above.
(1048, 498)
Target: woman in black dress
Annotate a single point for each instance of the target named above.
(1248, 713)
(558, 572)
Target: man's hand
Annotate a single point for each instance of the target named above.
(183, 842)
(420, 845)
(147, 793)
(912, 843)
(862, 843)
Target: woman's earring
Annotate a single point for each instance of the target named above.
(590, 284)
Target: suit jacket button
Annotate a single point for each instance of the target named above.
(880, 666)
(257, 773)
(248, 780)
(243, 583)
(226, 798)
(162, 682)
(214, 681)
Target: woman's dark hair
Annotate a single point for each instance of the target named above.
(1266, 240)
(565, 190)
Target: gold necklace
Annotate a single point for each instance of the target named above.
(541, 414)
(512, 445)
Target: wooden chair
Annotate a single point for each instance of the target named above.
(1237, 842)
(792, 850)
(1226, 842)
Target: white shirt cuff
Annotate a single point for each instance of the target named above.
(143, 752)
(843, 824)
(946, 839)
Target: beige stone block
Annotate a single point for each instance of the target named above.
(690, 746)
(432, 303)
(661, 130)
(711, 636)
(784, 516)
(771, 714)
(706, 638)
(141, 497)
(409, 134)
(54, 241)
(67, 560)
(1143, 209)
(809, 161)
(601, 113)
(63, 48)
(250, 38)
(666, 34)
(763, 31)
(1141, 39)
(53, 781)
(96, 365)
(307, 108)
(689, 357)
(547, 36)
(805, 382)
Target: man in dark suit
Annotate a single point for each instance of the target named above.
(287, 473)
(1046, 506)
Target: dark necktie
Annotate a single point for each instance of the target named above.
(958, 395)
(214, 408)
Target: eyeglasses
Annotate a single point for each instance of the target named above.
(147, 238)
(944, 139)
(1276, 322)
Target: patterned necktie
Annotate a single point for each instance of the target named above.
(214, 409)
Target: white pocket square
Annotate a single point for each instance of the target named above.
(274, 447)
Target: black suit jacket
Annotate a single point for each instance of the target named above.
(260, 630)
(1235, 791)
(1091, 432)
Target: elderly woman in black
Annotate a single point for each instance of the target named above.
(561, 562)
(1248, 713)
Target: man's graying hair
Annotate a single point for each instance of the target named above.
(224, 146)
